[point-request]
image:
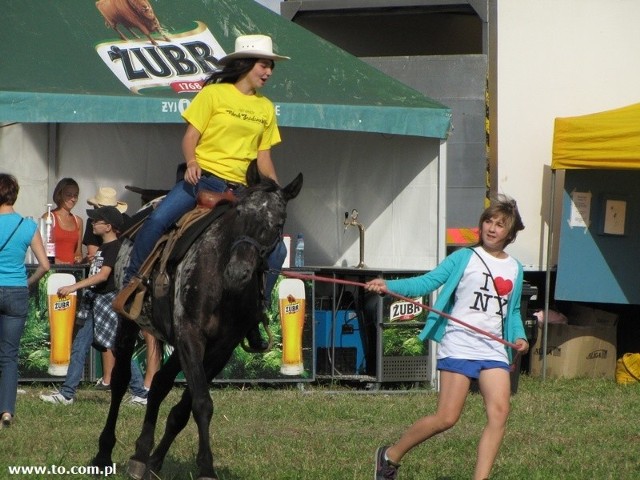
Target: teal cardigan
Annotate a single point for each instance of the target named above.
(448, 274)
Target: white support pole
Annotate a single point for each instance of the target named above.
(547, 283)
(442, 246)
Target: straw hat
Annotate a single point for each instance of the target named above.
(106, 197)
(252, 46)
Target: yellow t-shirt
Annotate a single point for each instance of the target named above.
(233, 127)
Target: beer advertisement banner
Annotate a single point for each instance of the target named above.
(35, 356)
(291, 323)
(35, 347)
(111, 61)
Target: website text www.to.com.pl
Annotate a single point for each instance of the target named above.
(61, 470)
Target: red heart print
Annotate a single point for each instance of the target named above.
(503, 286)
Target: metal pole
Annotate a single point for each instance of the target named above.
(547, 283)
(442, 250)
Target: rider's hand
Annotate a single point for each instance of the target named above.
(192, 173)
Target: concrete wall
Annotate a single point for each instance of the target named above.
(546, 59)
(555, 59)
(457, 81)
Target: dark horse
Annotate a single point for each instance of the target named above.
(214, 299)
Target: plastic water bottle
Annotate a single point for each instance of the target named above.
(299, 258)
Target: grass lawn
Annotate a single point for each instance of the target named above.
(558, 429)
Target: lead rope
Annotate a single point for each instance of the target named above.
(317, 278)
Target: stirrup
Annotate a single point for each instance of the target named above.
(136, 289)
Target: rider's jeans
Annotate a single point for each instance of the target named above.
(179, 201)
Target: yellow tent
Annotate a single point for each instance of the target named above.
(609, 140)
(604, 140)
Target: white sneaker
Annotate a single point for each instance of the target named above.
(6, 420)
(135, 400)
(57, 398)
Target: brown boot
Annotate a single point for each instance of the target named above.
(255, 340)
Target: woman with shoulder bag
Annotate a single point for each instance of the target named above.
(16, 235)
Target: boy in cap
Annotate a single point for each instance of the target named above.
(102, 322)
(139, 385)
(104, 197)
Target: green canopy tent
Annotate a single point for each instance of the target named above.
(52, 70)
(63, 67)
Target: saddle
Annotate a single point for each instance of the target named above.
(168, 251)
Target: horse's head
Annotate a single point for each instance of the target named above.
(257, 229)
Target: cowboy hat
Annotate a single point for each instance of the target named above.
(252, 46)
(106, 197)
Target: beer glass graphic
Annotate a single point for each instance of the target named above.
(291, 295)
(62, 314)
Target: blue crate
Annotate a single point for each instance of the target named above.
(347, 335)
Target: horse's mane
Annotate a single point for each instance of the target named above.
(255, 179)
(265, 185)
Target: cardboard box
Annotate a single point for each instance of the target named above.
(576, 351)
(583, 315)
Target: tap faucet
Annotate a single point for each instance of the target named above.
(354, 221)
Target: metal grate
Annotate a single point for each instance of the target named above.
(405, 369)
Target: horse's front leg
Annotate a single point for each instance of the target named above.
(176, 421)
(214, 362)
(191, 351)
(160, 387)
(125, 343)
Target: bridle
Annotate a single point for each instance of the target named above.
(263, 250)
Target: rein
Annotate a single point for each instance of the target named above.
(406, 299)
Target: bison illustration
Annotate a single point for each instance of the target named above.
(131, 14)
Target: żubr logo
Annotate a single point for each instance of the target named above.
(403, 311)
(602, 353)
(182, 63)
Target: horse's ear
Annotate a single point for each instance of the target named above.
(253, 174)
(293, 189)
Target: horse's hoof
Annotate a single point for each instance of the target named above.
(136, 469)
(255, 342)
(97, 461)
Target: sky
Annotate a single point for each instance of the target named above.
(271, 4)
